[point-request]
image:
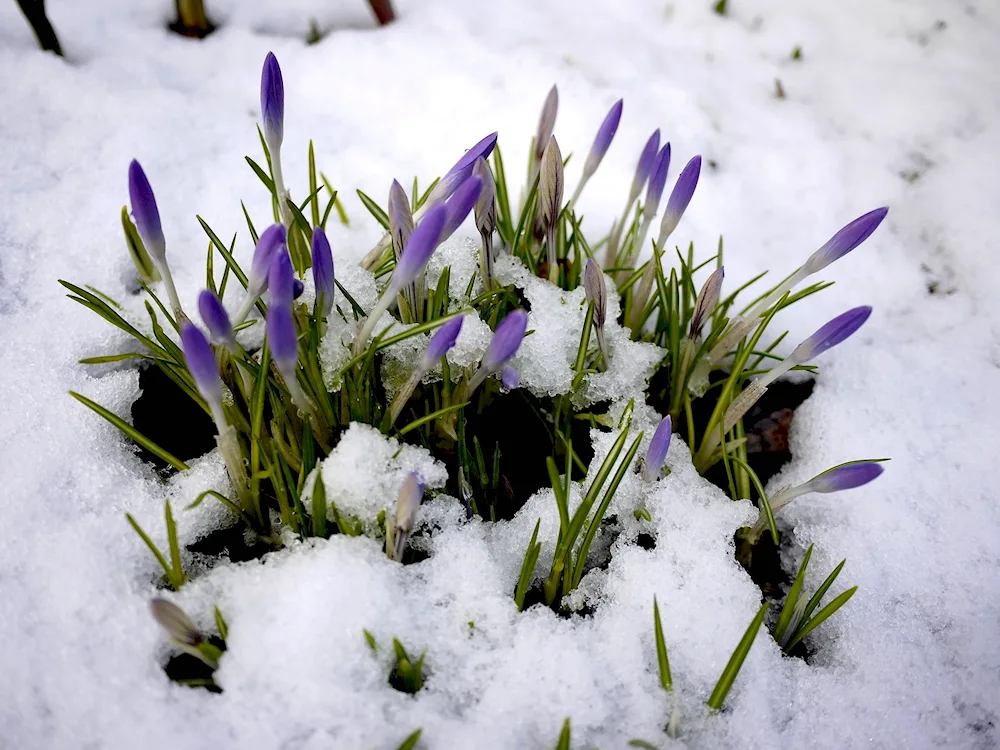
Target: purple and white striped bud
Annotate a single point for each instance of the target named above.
(596, 291)
(486, 205)
(657, 181)
(175, 622)
(708, 298)
(679, 199)
(510, 379)
(462, 169)
(272, 102)
(605, 134)
(216, 319)
(145, 212)
(322, 269)
(281, 281)
(423, 242)
(550, 185)
(201, 364)
(400, 218)
(282, 339)
(845, 240)
(441, 343)
(407, 504)
(460, 205)
(645, 165)
(656, 454)
(546, 122)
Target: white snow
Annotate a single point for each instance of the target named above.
(893, 103)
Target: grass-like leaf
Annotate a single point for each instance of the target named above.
(661, 649)
(528, 567)
(718, 696)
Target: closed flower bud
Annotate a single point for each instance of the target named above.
(272, 101)
(845, 240)
(147, 215)
(322, 269)
(216, 319)
(546, 122)
(201, 364)
(656, 454)
(708, 298)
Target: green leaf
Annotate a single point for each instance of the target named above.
(788, 609)
(313, 184)
(109, 358)
(175, 548)
(154, 549)
(220, 623)
(528, 567)
(661, 649)
(821, 617)
(564, 737)
(816, 598)
(370, 639)
(131, 432)
(148, 273)
(411, 742)
(373, 208)
(432, 416)
(732, 669)
(765, 504)
(319, 507)
(261, 174)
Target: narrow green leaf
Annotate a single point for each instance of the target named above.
(432, 416)
(152, 547)
(177, 575)
(788, 609)
(411, 742)
(821, 617)
(319, 507)
(373, 208)
(661, 649)
(528, 567)
(732, 669)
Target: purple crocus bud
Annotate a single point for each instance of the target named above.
(298, 288)
(656, 454)
(460, 204)
(271, 240)
(510, 378)
(486, 206)
(282, 339)
(546, 122)
(506, 340)
(708, 298)
(272, 101)
(605, 134)
(441, 342)
(833, 333)
(679, 198)
(593, 285)
(400, 218)
(845, 240)
(463, 168)
(145, 212)
(845, 477)
(322, 268)
(550, 185)
(645, 165)
(281, 280)
(201, 364)
(216, 319)
(424, 240)
(657, 181)
(407, 503)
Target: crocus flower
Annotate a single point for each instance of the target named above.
(282, 339)
(400, 218)
(486, 207)
(596, 291)
(322, 269)
(503, 346)
(845, 240)
(679, 199)
(272, 101)
(201, 364)
(270, 241)
(605, 134)
(550, 193)
(216, 319)
(656, 454)
(407, 503)
(460, 204)
(281, 280)
(707, 299)
(654, 191)
(644, 166)
(298, 288)
(831, 334)
(175, 622)
(147, 215)
(510, 378)
(441, 343)
(462, 169)
(546, 122)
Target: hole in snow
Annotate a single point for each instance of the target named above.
(193, 672)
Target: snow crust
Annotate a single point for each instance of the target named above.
(891, 104)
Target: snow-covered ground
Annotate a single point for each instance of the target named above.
(894, 102)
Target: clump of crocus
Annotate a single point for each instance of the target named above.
(503, 346)
(272, 111)
(323, 276)
(147, 222)
(597, 294)
(642, 171)
(398, 533)
(827, 337)
(839, 478)
(440, 344)
(550, 194)
(418, 250)
(656, 454)
(843, 242)
(204, 370)
(605, 134)
(183, 633)
(486, 220)
(271, 240)
(654, 191)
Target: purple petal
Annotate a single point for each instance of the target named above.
(486, 207)
(281, 281)
(145, 212)
(597, 292)
(605, 134)
(833, 333)
(645, 165)
(282, 338)
(400, 218)
(656, 454)
(201, 364)
(844, 477)
(298, 288)
(546, 121)
(657, 181)
(418, 250)
(460, 204)
(270, 241)
(708, 298)
(680, 197)
(441, 342)
(846, 240)
(510, 378)
(463, 167)
(407, 504)
(506, 340)
(322, 268)
(215, 318)
(272, 101)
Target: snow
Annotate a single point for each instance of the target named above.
(886, 107)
